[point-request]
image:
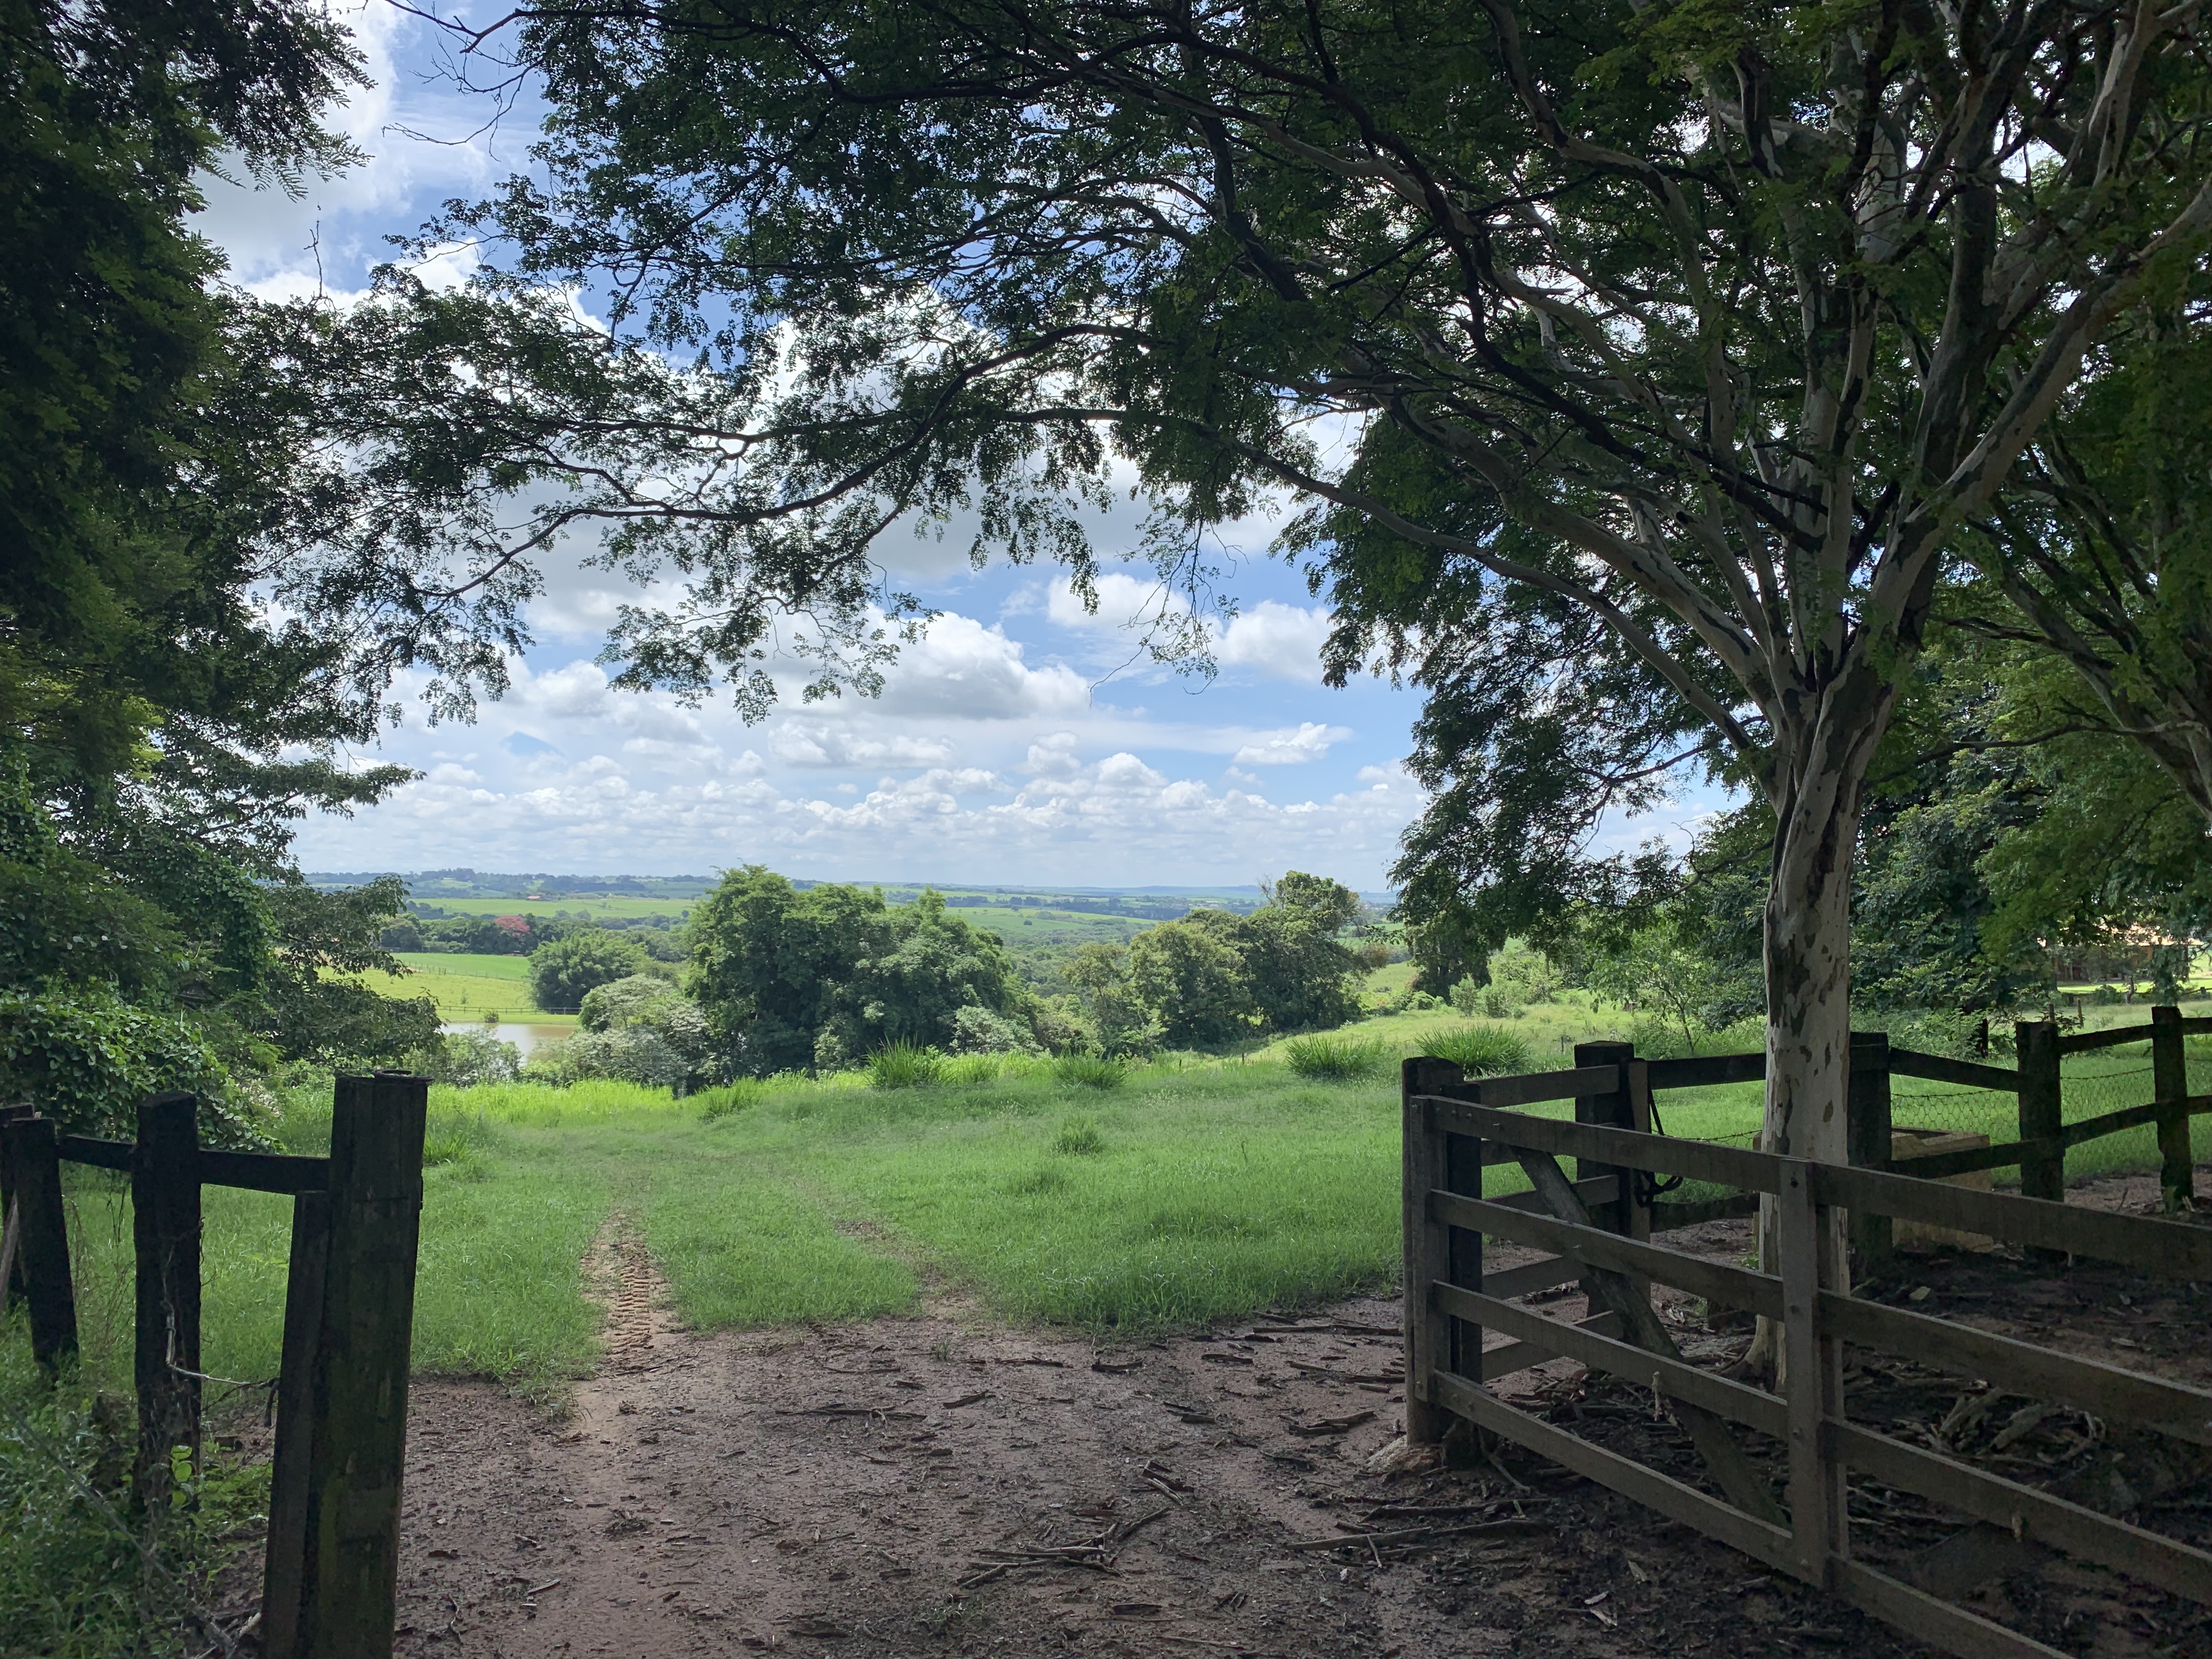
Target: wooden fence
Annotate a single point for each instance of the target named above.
(330, 1580)
(1598, 1224)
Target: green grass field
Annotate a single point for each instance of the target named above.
(467, 986)
(1197, 1190)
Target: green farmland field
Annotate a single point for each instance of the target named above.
(1197, 1190)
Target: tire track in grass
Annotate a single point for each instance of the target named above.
(743, 1245)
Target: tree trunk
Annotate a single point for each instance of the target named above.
(1808, 972)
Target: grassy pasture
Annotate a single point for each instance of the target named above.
(467, 986)
(1193, 1190)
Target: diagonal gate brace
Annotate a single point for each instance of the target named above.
(1615, 1293)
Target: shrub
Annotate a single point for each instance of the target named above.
(978, 1030)
(904, 1065)
(731, 1097)
(1329, 1054)
(1478, 1050)
(564, 970)
(1078, 1137)
(970, 1071)
(465, 1059)
(1090, 1071)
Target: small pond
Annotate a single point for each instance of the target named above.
(525, 1037)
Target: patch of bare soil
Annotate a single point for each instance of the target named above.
(938, 1486)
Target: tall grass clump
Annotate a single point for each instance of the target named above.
(1332, 1055)
(971, 1070)
(1078, 1138)
(729, 1098)
(79, 1575)
(1089, 1070)
(905, 1065)
(1479, 1050)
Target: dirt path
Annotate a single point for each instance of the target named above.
(944, 1486)
(940, 1486)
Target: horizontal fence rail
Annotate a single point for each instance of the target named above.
(1591, 1213)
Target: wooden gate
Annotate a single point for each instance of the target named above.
(1597, 1226)
(330, 1578)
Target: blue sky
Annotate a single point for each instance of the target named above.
(1023, 742)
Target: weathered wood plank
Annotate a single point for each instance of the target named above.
(2169, 1248)
(358, 1395)
(1704, 1071)
(1942, 1068)
(1629, 1295)
(2080, 1043)
(1532, 1086)
(2173, 1408)
(1716, 1281)
(165, 1224)
(283, 1173)
(99, 1154)
(1426, 1248)
(1939, 1623)
(42, 1238)
(1675, 1378)
(260, 1172)
(2166, 1562)
(1700, 1160)
(1598, 1189)
(1508, 1358)
(283, 1575)
(1670, 1497)
(1549, 1273)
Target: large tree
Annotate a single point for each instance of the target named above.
(1714, 323)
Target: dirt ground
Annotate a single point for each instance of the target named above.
(945, 1485)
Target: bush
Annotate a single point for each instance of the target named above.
(79, 1575)
(905, 1065)
(971, 1070)
(1078, 1137)
(465, 1059)
(730, 1098)
(1478, 1050)
(564, 970)
(86, 1057)
(1329, 1054)
(1661, 1039)
(1089, 1070)
(978, 1030)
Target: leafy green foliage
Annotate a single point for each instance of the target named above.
(1329, 1054)
(564, 971)
(902, 1064)
(790, 980)
(1090, 1071)
(1479, 1050)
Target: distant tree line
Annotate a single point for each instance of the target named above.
(783, 978)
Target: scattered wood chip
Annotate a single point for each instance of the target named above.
(1408, 1534)
(1135, 1610)
(814, 1625)
(1056, 1364)
(968, 1400)
(445, 1555)
(539, 1589)
(1116, 1368)
(1329, 1426)
(1227, 1358)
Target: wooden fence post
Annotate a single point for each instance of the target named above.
(356, 1391)
(1812, 1377)
(165, 1203)
(2042, 1111)
(1616, 1110)
(2169, 1068)
(285, 1573)
(42, 1237)
(1867, 1135)
(1431, 1337)
(11, 1282)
